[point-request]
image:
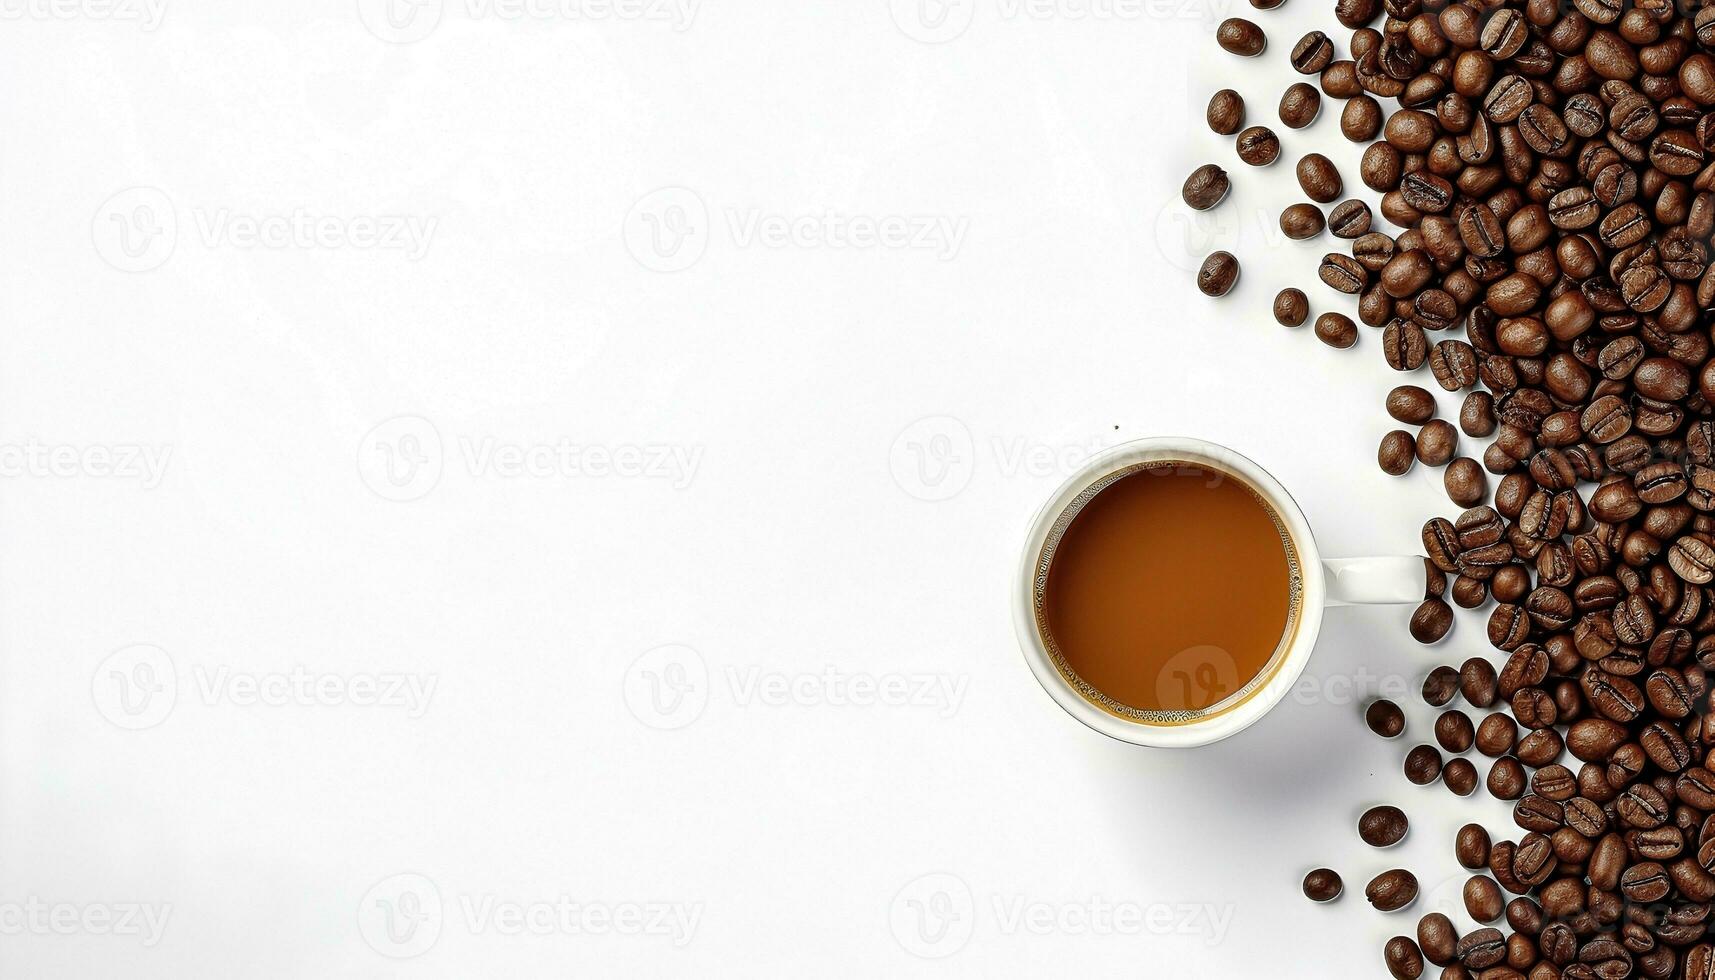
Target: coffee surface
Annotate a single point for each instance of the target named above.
(1171, 589)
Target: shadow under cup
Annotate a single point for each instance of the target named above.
(1205, 592)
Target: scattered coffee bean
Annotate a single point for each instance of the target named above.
(1291, 307)
(1299, 105)
(1477, 415)
(1319, 178)
(1437, 441)
(1349, 219)
(1241, 37)
(1483, 899)
(1322, 885)
(1219, 273)
(1383, 826)
(1391, 891)
(1496, 735)
(1336, 330)
(1440, 686)
(1423, 765)
(1205, 188)
(1460, 776)
(1258, 146)
(1301, 221)
(1361, 119)
(1313, 53)
(1453, 730)
(1396, 453)
(1471, 846)
(1404, 960)
(1431, 621)
(1226, 112)
(1385, 718)
(1507, 779)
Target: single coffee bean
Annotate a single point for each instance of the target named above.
(1319, 178)
(1437, 441)
(1361, 119)
(1507, 780)
(1299, 105)
(1440, 686)
(1336, 330)
(1393, 890)
(1258, 146)
(1383, 826)
(1345, 274)
(1205, 188)
(1483, 898)
(1349, 219)
(1496, 735)
(1481, 950)
(1471, 846)
(1477, 415)
(1385, 718)
(1219, 273)
(1291, 307)
(1301, 221)
(1423, 765)
(1465, 482)
(1241, 37)
(1460, 776)
(1454, 731)
(1226, 112)
(1468, 592)
(1411, 404)
(1396, 453)
(1431, 621)
(1404, 960)
(1313, 53)
(1322, 885)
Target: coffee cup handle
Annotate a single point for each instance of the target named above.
(1371, 581)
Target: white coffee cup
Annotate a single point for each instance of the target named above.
(1322, 582)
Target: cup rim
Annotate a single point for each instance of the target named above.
(1233, 720)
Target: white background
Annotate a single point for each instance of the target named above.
(828, 451)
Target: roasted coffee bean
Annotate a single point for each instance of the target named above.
(1477, 414)
(1345, 274)
(1336, 330)
(1460, 776)
(1313, 53)
(1483, 898)
(1453, 363)
(1507, 779)
(1206, 186)
(1241, 37)
(1299, 105)
(1478, 682)
(1391, 891)
(1437, 441)
(1471, 845)
(1481, 949)
(1361, 119)
(1423, 765)
(1403, 345)
(1301, 221)
(1431, 621)
(1496, 735)
(1291, 307)
(1440, 686)
(1322, 885)
(1404, 960)
(1258, 146)
(1410, 404)
(1383, 826)
(1349, 219)
(1465, 482)
(1385, 718)
(1219, 273)
(1396, 453)
(1226, 112)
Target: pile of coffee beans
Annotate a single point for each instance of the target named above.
(1550, 166)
